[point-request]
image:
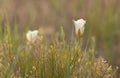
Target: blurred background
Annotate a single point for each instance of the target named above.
(49, 15)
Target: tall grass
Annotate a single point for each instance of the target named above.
(61, 59)
(103, 19)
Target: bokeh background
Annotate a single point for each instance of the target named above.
(103, 20)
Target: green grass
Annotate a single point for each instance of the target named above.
(58, 59)
(102, 20)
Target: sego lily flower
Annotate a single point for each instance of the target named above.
(79, 27)
(32, 36)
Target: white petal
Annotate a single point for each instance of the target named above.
(32, 35)
(79, 24)
(28, 35)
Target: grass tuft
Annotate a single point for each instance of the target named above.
(61, 59)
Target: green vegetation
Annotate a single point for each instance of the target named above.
(58, 59)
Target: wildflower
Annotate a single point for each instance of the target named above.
(32, 36)
(79, 27)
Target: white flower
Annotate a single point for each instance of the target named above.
(79, 27)
(32, 36)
